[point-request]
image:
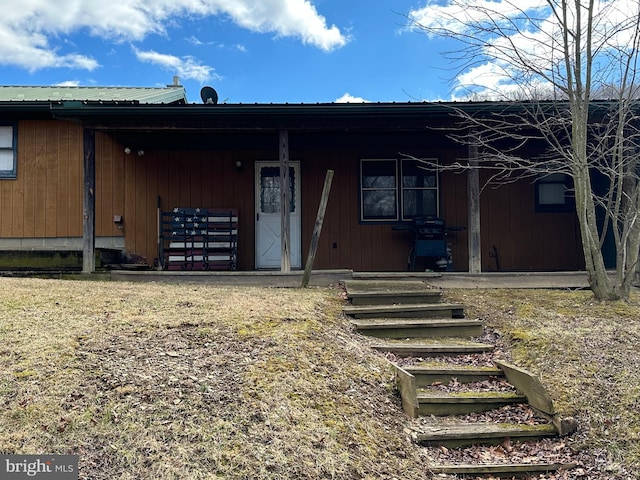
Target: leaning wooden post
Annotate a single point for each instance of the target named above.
(473, 195)
(89, 202)
(317, 228)
(285, 202)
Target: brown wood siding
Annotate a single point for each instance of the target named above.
(45, 200)
(209, 179)
(186, 179)
(109, 185)
(523, 238)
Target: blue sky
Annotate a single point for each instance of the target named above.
(249, 50)
(276, 51)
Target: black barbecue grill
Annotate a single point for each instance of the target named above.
(430, 244)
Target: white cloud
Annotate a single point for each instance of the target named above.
(185, 67)
(455, 16)
(30, 31)
(68, 83)
(520, 59)
(296, 18)
(348, 98)
(195, 40)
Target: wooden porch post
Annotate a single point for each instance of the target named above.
(473, 195)
(89, 202)
(285, 202)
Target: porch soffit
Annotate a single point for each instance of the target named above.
(236, 126)
(319, 140)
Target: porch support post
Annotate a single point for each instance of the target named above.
(285, 202)
(89, 202)
(473, 196)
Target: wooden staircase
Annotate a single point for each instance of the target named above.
(412, 323)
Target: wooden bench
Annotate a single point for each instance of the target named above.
(198, 239)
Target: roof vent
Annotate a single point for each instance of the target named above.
(209, 96)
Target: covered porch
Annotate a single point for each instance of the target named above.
(216, 156)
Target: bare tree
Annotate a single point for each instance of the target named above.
(562, 73)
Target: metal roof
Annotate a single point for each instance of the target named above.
(143, 95)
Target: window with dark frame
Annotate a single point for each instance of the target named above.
(7, 151)
(553, 193)
(394, 189)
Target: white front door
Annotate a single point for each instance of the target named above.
(268, 247)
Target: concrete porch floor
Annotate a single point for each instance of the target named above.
(323, 278)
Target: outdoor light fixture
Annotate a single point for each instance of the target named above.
(127, 150)
(140, 153)
(238, 165)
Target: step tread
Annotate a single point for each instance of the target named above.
(482, 431)
(433, 348)
(453, 370)
(413, 322)
(395, 293)
(504, 468)
(469, 397)
(382, 286)
(402, 307)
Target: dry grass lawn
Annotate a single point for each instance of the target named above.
(161, 381)
(164, 381)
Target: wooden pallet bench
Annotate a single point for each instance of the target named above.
(199, 239)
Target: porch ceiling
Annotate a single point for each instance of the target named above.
(261, 140)
(237, 126)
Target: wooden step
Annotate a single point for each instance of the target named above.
(408, 349)
(371, 292)
(422, 310)
(439, 403)
(426, 376)
(461, 435)
(419, 327)
(392, 298)
(507, 470)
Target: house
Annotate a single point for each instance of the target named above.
(86, 169)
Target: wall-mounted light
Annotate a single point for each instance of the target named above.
(238, 165)
(127, 151)
(140, 153)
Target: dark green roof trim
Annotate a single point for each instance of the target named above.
(125, 115)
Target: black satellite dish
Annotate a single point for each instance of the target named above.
(209, 96)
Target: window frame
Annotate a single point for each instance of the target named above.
(12, 173)
(432, 161)
(547, 179)
(399, 190)
(362, 190)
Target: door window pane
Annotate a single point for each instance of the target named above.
(270, 189)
